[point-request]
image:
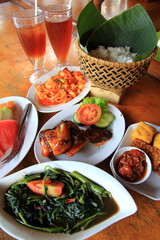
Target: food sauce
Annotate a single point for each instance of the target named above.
(131, 165)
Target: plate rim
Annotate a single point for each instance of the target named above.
(50, 109)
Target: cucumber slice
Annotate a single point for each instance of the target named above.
(7, 113)
(75, 120)
(105, 120)
(1, 114)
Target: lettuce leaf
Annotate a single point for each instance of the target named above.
(101, 102)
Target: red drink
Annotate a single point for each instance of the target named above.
(60, 34)
(33, 40)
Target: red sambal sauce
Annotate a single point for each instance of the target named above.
(131, 165)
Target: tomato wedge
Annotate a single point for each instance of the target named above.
(54, 188)
(89, 113)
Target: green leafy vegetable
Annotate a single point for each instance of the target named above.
(50, 229)
(95, 188)
(78, 206)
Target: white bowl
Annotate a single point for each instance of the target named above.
(118, 154)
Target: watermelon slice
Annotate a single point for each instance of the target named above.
(1, 152)
(8, 130)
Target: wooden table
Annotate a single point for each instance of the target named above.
(140, 103)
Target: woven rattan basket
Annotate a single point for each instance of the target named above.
(112, 75)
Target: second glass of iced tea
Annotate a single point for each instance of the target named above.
(58, 19)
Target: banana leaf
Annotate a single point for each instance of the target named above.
(133, 28)
(88, 20)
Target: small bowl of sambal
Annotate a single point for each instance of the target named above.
(131, 165)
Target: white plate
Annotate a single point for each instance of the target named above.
(126, 204)
(151, 187)
(29, 132)
(55, 108)
(89, 153)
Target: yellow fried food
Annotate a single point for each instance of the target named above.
(144, 132)
(156, 140)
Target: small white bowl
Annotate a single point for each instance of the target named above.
(118, 154)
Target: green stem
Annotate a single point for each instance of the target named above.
(87, 220)
(28, 179)
(95, 188)
(51, 230)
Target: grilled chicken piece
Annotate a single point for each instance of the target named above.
(78, 138)
(68, 138)
(46, 149)
(59, 138)
(97, 135)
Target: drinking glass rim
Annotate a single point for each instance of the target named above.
(69, 8)
(14, 15)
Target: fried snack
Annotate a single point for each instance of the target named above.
(156, 140)
(144, 132)
(152, 152)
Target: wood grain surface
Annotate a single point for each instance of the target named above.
(140, 103)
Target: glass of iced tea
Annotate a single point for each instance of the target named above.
(30, 27)
(58, 19)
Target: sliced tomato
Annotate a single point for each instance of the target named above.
(70, 200)
(89, 113)
(54, 188)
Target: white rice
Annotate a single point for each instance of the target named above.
(114, 54)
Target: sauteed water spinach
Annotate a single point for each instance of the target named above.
(80, 203)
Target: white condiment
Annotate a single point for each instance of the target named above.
(114, 54)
